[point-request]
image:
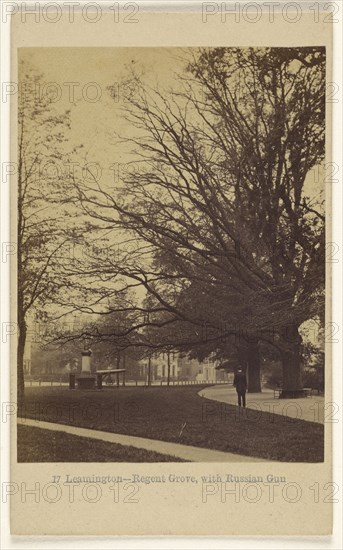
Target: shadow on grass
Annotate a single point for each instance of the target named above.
(37, 445)
(179, 415)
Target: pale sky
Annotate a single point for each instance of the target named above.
(94, 122)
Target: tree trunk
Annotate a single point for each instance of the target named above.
(291, 363)
(20, 360)
(291, 369)
(149, 371)
(20, 295)
(254, 369)
(168, 373)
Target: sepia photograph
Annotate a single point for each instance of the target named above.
(171, 254)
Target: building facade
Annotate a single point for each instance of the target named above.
(182, 367)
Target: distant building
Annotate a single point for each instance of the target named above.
(27, 358)
(31, 338)
(181, 368)
(159, 366)
(208, 371)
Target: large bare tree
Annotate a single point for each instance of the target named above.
(220, 198)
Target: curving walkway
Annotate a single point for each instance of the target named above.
(310, 409)
(186, 452)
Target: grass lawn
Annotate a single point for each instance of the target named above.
(178, 414)
(37, 445)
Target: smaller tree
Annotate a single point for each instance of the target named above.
(43, 195)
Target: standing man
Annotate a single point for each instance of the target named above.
(240, 382)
